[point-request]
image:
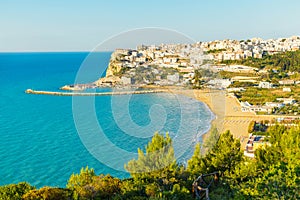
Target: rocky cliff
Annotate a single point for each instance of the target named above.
(115, 64)
(113, 71)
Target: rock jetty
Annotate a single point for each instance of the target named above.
(30, 91)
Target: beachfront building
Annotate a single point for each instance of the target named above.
(247, 107)
(255, 142)
(268, 107)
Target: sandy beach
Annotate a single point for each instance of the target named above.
(227, 110)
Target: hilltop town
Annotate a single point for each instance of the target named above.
(255, 70)
(175, 64)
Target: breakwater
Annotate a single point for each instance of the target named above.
(30, 91)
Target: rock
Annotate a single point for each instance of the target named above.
(107, 81)
(72, 87)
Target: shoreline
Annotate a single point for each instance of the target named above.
(225, 108)
(205, 96)
(227, 112)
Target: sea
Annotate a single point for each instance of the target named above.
(44, 139)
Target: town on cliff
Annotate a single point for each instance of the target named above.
(258, 72)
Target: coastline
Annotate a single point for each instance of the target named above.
(227, 111)
(225, 108)
(214, 100)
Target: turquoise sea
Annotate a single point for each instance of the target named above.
(39, 141)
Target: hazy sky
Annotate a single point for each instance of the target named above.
(65, 25)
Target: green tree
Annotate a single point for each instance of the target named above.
(105, 187)
(226, 154)
(86, 185)
(268, 156)
(211, 140)
(48, 193)
(251, 127)
(197, 78)
(130, 190)
(157, 166)
(197, 164)
(77, 182)
(223, 153)
(14, 191)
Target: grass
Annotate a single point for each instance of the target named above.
(259, 96)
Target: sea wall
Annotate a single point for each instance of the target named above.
(30, 91)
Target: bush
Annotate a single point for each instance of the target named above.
(48, 193)
(15, 191)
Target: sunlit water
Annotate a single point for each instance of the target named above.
(39, 142)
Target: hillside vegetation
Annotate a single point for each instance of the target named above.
(284, 62)
(273, 174)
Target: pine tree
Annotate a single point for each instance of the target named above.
(197, 164)
(77, 182)
(211, 140)
(156, 165)
(226, 154)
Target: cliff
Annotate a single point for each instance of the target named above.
(115, 63)
(113, 71)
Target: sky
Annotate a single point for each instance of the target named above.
(65, 25)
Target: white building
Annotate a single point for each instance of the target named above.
(286, 101)
(274, 104)
(220, 83)
(287, 82)
(286, 90)
(265, 84)
(247, 107)
(174, 78)
(240, 89)
(126, 80)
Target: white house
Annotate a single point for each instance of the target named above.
(220, 83)
(286, 101)
(287, 82)
(265, 84)
(134, 53)
(274, 104)
(245, 106)
(286, 90)
(239, 89)
(140, 59)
